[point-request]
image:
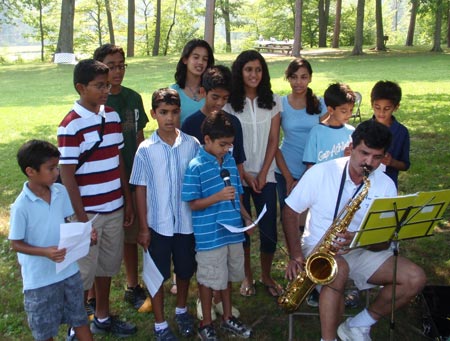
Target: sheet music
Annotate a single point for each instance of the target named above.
(243, 229)
(76, 239)
(151, 275)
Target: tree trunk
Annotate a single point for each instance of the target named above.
(357, 48)
(155, 51)
(98, 21)
(324, 13)
(225, 8)
(170, 28)
(298, 28)
(437, 29)
(448, 25)
(337, 24)
(412, 23)
(112, 40)
(130, 28)
(209, 22)
(41, 30)
(379, 23)
(65, 36)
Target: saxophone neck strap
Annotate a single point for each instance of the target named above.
(341, 189)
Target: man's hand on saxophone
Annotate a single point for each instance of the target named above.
(295, 265)
(342, 242)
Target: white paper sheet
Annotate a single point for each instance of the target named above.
(243, 229)
(75, 238)
(151, 275)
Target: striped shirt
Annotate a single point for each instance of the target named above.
(98, 178)
(202, 179)
(160, 167)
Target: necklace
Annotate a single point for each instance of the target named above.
(194, 93)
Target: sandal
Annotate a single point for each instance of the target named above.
(247, 290)
(273, 290)
(173, 288)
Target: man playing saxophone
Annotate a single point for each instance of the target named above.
(325, 190)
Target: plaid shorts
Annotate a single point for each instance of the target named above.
(50, 306)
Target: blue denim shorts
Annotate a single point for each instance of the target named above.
(50, 306)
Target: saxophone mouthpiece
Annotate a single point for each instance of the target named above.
(366, 171)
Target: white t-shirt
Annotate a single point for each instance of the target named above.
(318, 190)
(256, 123)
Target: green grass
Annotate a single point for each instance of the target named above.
(35, 97)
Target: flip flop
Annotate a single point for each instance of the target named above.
(273, 290)
(246, 290)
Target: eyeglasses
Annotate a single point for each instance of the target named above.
(121, 67)
(102, 86)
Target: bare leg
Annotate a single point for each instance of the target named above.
(83, 333)
(205, 299)
(410, 281)
(182, 294)
(102, 289)
(158, 305)
(331, 302)
(130, 258)
(226, 301)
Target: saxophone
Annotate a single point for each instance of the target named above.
(321, 267)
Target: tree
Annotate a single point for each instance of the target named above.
(131, 28)
(379, 26)
(448, 25)
(337, 25)
(298, 28)
(166, 47)
(209, 22)
(224, 6)
(438, 26)
(65, 38)
(155, 51)
(412, 23)
(359, 30)
(112, 39)
(324, 14)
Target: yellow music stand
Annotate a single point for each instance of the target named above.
(397, 218)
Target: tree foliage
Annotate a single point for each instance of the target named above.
(134, 24)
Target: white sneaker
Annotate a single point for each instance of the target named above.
(200, 312)
(219, 309)
(346, 333)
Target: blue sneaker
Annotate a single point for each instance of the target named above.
(165, 335)
(185, 323)
(114, 326)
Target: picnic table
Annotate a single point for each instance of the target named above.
(273, 46)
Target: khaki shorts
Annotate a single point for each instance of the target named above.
(104, 258)
(217, 267)
(362, 264)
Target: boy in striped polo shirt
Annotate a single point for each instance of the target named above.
(98, 186)
(220, 254)
(165, 226)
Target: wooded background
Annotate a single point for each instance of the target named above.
(151, 28)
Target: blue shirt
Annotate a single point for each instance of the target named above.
(160, 167)
(202, 179)
(193, 124)
(296, 125)
(37, 223)
(327, 143)
(188, 105)
(399, 148)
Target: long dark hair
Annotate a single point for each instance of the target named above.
(313, 106)
(181, 72)
(264, 90)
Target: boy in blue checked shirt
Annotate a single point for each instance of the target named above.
(165, 226)
(220, 255)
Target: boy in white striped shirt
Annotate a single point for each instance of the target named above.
(164, 220)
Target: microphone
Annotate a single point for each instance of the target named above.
(225, 175)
